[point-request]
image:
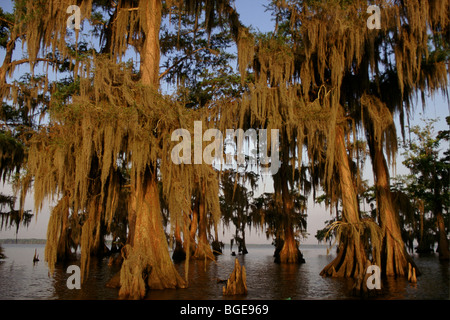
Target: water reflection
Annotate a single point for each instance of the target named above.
(432, 284)
(94, 288)
(266, 280)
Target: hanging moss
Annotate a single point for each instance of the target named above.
(307, 82)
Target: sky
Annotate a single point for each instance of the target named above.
(252, 12)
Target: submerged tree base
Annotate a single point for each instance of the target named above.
(203, 252)
(147, 263)
(237, 283)
(349, 263)
(2, 256)
(217, 247)
(360, 287)
(287, 252)
(395, 260)
(139, 274)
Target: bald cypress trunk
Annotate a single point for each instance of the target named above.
(6, 63)
(203, 250)
(147, 263)
(394, 256)
(351, 259)
(150, 52)
(289, 252)
(193, 228)
(443, 249)
(443, 244)
(179, 253)
(217, 246)
(57, 247)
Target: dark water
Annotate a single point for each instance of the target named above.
(21, 279)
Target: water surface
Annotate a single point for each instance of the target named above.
(266, 280)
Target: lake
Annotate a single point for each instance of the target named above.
(20, 279)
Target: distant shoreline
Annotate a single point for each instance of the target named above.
(43, 241)
(23, 241)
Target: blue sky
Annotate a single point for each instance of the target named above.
(252, 13)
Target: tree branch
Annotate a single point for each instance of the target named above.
(7, 21)
(162, 75)
(21, 61)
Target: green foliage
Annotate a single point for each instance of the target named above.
(199, 62)
(6, 21)
(270, 208)
(12, 154)
(9, 217)
(426, 156)
(429, 165)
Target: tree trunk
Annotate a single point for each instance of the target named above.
(394, 256)
(217, 246)
(289, 252)
(150, 52)
(64, 252)
(94, 228)
(244, 244)
(90, 235)
(444, 254)
(194, 227)
(179, 254)
(147, 264)
(132, 205)
(203, 250)
(443, 247)
(351, 258)
(6, 64)
(422, 247)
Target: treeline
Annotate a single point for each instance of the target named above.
(91, 126)
(23, 241)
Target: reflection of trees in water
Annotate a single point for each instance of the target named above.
(94, 288)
